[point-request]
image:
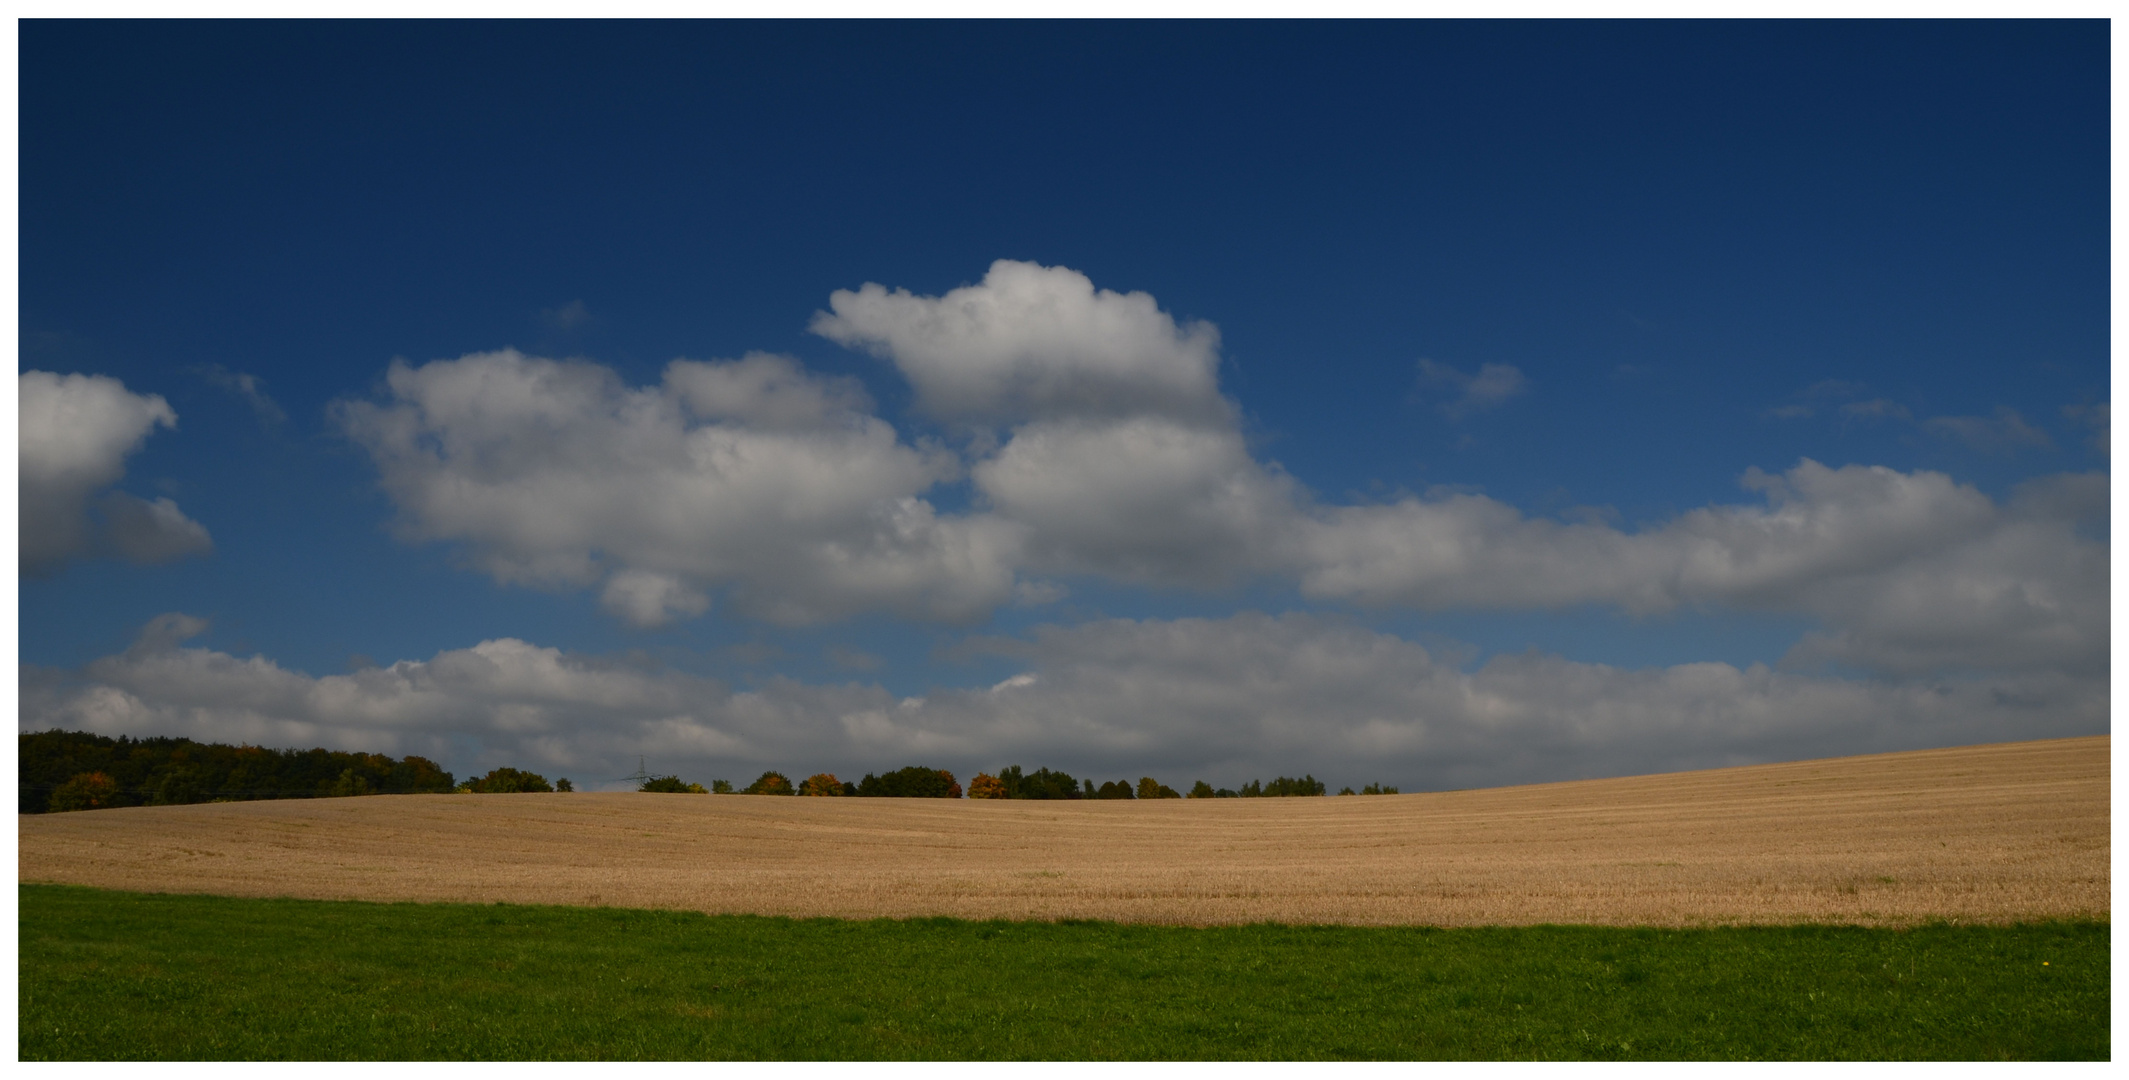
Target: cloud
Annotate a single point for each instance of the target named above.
(1858, 547)
(567, 317)
(1476, 391)
(2025, 589)
(749, 475)
(76, 433)
(1118, 459)
(247, 387)
(1144, 499)
(1472, 551)
(503, 701)
(2005, 433)
(1221, 699)
(1122, 459)
(853, 659)
(1256, 694)
(647, 599)
(150, 532)
(2094, 417)
(1035, 342)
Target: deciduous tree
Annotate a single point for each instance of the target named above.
(506, 780)
(770, 783)
(1148, 788)
(911, 782)
(85, 791)
(673, 785)
(822, 784)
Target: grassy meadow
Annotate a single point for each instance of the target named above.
(116, 975)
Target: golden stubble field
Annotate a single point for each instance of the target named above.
(1986, 833)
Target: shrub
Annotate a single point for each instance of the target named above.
(770, 783)
(911, 782)
(1149, 789)
(1346, 790)
(720, 787)
(1114, 789)
(986, 786)
(507, 780)
(673, 785)
(85, 791)
(1378, 789)
(821, 784)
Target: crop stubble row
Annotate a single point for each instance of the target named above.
(1989, 833)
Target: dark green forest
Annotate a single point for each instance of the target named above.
(76, 770)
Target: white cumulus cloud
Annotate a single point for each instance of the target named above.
(1142, 499)
(1906, 570)
(76, 433)
(1122, 458)
(1035, 342)
(1099, 444)
(747, 474)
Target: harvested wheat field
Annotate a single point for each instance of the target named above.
(1985, 833)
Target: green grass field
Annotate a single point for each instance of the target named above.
(108, 975)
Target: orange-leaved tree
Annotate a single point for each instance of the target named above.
(821, 784)
(986, 786)
(771, 783)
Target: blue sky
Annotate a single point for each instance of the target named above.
(1430, 403)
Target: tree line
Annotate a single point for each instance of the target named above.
(77, 770)
(924, 782)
